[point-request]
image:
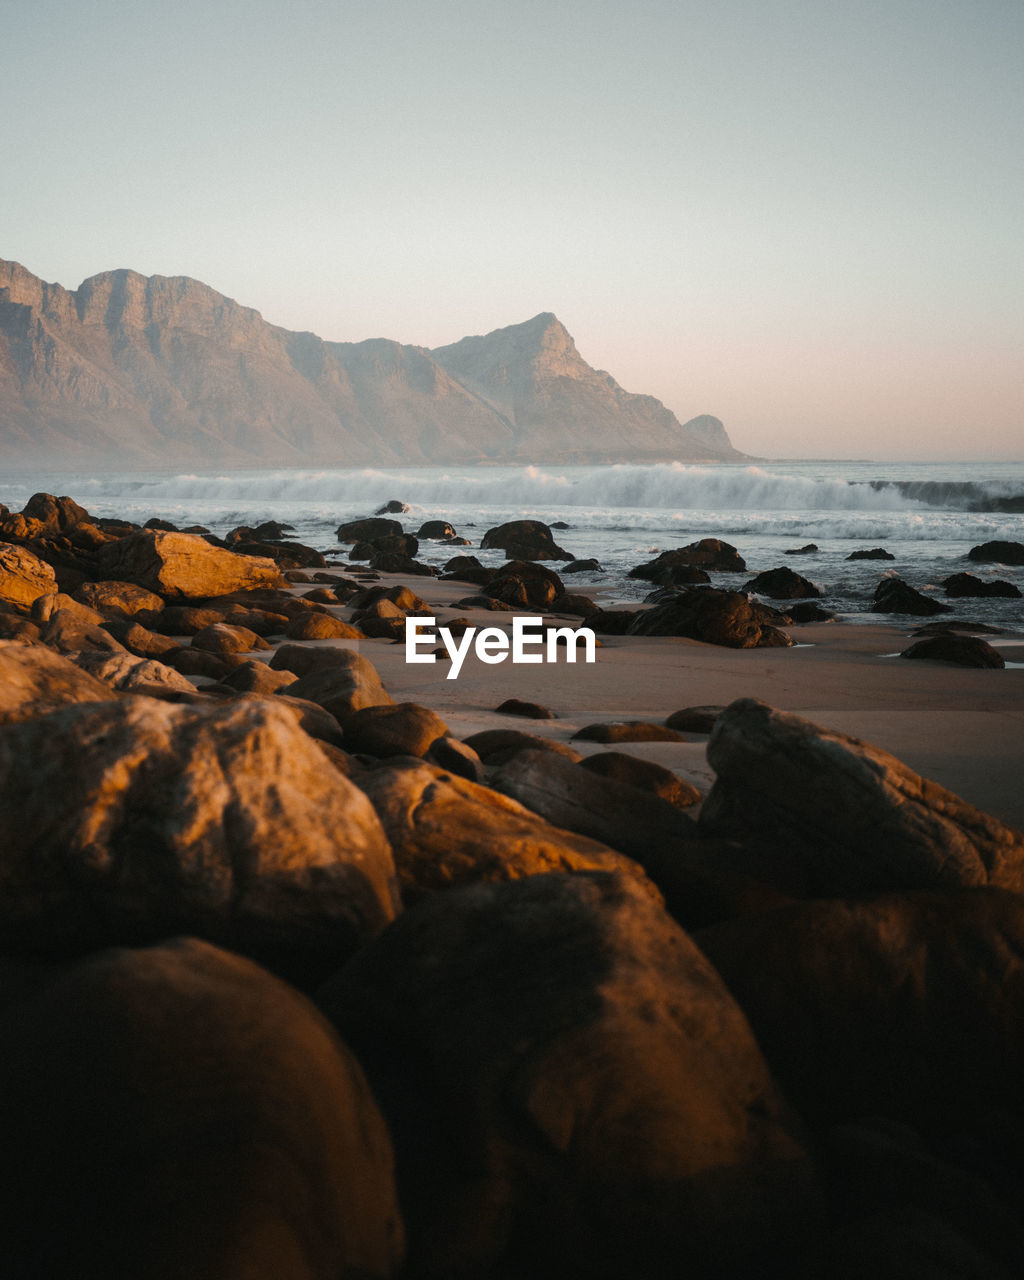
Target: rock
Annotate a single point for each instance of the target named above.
(400, 544)
(905, 1006)
(321, 626)
(716, 617)
(458, 564)
(403, 598)
(998, 553)
(524, 540)
(964, 651)
(133, 820)
(68, 632)
(708, 553)
(495, 746)
(286, 555)
(258, 677)
(530, 710)
(694, 719)
(645, 775)
(395, 562)
(439, 530)
(176, 565)
(966, 584)
(483, 602)
(223, 638)
(952, 624)
(118, 598)
(612, 622)
(35, 680)
(807, 549)
(627, 731)
(184, 620)
(807, 611)
(456, 757)
(44, 607)
(128, 674)
(197, 662)
(403, 729)
(23, 576)
(568, 1082)
(343, 684)
(393, 507)
(177, 1111)
(783, 584)
(845, 816)
(893, 595)
(139, 640)
(604, 808)
(56, 515)
(876, 553)
(372, 527)
(577, 606)
(445, 830)
(582, 566)
(156, 523)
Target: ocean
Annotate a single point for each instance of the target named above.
(927, 514)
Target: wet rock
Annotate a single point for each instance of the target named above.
(893, 595)
(524, 540)
(645, 775)
(569, 1084)
(998, 553)
(371, 527)
(716, 617)
(530, 710)
(807, 549)
(964, 651)
(783, 584)
(23, 576)
(845, 816)
(132, 820)
(393, 507)
(875, 553)
(177, 1111)
(708, 553)
(458, 564)
(582, 566)
(182, 565)
(439, 530)
(403, 729)
(966, 584)
(483, 602)
(628, 731)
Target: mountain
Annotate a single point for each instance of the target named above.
(134, 371)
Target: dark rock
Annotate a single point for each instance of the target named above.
(286, 555)
(528, 593)
(577, 606)
(645, 775)
(560, 524)
(404, 598)
(708, 553)
(783, 584)
(483, 602)
(438, 530)
(197, 662)
(844, 816)
(524, 540)
(612, 622)
(395, 562)
(807, 611)
(569, 1084)
(966, 584)
(178, 1111)
(876, 553)
(628, 731)
(952, 624)
(371, 527)
(998, 553)
(964, 651)
(694, 719)
(806, 550)
(495, 746)
(458, 564)
(403, 729)
(393, 507)
(456, 757)
(530, 710)
(893, 595)
(715, 617)
(582, 566)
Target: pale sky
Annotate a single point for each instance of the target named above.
(806, 218)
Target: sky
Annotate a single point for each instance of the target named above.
(801, 217)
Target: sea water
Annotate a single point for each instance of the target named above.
(928, 515)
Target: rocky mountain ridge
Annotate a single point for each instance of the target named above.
(135, 371)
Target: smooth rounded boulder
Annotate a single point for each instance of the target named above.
(182, 565)
(177, 1111)
(571, 1087)
(716, 617)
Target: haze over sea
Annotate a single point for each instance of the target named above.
(928, 515)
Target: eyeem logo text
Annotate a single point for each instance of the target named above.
(492, 644)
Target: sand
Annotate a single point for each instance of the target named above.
(963, 728)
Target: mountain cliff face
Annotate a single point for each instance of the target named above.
(129, 371)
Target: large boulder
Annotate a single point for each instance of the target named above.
(134, 819)
(708, 553)
(569, 1083)
(963, 651)
(906, 1006)
(404, 729)
(342, 683)
(181, 565)
(35, 680)
(998, 553)
(371, 527)
(23, 576)
(845, 816)
(893, 595)
(783, 584)
(961, 585)
(445, 830)
(178, 1111)
(524, 540)
(716, 617)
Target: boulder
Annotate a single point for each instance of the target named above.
(221, 637)
(68, 631)
(445, 830)
(56, 515)
(708, 553)
(456, 757)
(403, 729)
(138, 639)
(906, 1006)
(403, 598)
(716, 617)
(286, 555)
(396, 562)
(132, 820)
(524, 540)
(321, 626)
(529, 593)
(178, 1111)
(783, 584)
(845, 816)
(258, 677)
(181, 565)
(627, 731)
(582, 566)
(575, 605)
(612, 622)
(807, 549)
(197, 662)
(964, 651)
(183, 620)
(645, 775)
(875, 553)
(23, 576)
(118, 598)
(966, 584)
(495, 746)
(529, 710)
(438, 530)
(807, 611)
(458, 564)
(35, 680)
(393, 506)
(694, 719)
(129, 674)
(342, 684)
(998, 553)
(893, 595)
(364, 530)
(569, 1084)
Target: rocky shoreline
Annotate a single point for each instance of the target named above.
(306, 976)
